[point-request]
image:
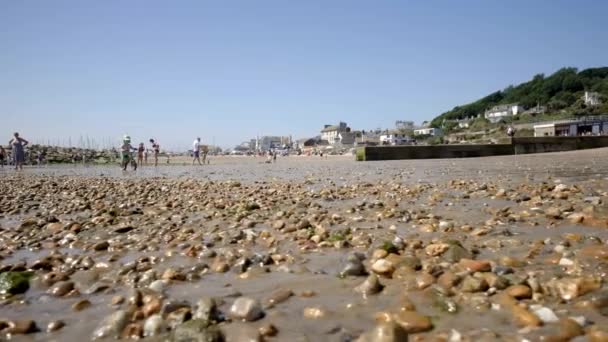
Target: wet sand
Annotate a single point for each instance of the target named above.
(451, 242)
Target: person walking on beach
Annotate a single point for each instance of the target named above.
(2, 156)
(196, 151)
(18, 144)
(126, 149)
(156, 149)
(140, 153)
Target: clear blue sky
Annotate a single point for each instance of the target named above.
(228, 70)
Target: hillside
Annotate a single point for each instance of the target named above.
(561, 94)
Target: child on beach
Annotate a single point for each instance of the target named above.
(140, 154)
(156, 149)
(126, 149)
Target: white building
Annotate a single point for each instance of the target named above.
(400, 124)
(331, 133)
(432, 131)
(497, 113)
(592, 99)
(266, 143)
(394, 138)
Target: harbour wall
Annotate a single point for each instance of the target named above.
(519, 145)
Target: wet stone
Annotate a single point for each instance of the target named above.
(370, 286)
(197, 330)
(385, 332)
(246, 309)
(112, 325)
(61, 288)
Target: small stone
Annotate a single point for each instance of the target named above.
(112, 325)
(385, 332)
(472, 284)
(353, 268)
(81, 305)
(314, 312)
(197, 330)
(133, 331)
(370, 286)
(54, 326)
(61, 288)
(456, 252)
(152, 305)
(519, 291)
(20, 327)
(206, 309)
(279, 296)
(436, 249)
(158, 285)
(424, 280)
(246, 309)
(545, 314)
(475, 265)
(154, 325)
(383, 266)
(268, 330)
(413, 322)
(576, 217)
(101, 246)
(525, 318)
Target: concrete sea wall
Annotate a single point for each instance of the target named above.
(522, 145)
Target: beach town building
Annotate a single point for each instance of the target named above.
(592, 99)
(331, 133)
(432, 131)
(394, 137)
(592, 125)
(268, 142)
(500, 112)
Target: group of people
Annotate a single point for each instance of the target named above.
(17, 144)
(142, 153)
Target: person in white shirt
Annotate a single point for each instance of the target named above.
(196, 150)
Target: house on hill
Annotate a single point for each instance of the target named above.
(592, 99)
(500, 112)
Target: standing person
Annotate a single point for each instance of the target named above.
(156, 149)
(126, 149)
(140, 154)
(2, 156)
(18, 145)
(145, 156)
(205, 151)
(196, 151)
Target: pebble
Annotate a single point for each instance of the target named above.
(153, 326)
(61, 288)
(112, 325)
(383, 266)
(475, 265)
(246, 309)
(81, 305)
(20, 327)
(55, 326)
(519, 291)
(370, 286)
(413, 322)
(525, 318)
(385, 332)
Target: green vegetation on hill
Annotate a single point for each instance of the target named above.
(561, 93)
